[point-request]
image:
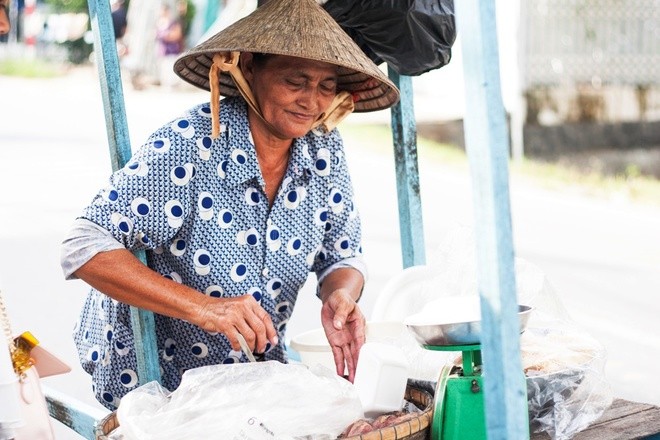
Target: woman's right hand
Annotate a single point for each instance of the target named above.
(120, 275)
(244, 315)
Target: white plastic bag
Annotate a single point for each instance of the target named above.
(254, 401)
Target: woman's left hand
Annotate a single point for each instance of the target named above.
(344, 326)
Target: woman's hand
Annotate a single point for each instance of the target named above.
(342, 320)
(120, 275)
(344, 326)
(231, 316)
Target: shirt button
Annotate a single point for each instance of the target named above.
(264, 272)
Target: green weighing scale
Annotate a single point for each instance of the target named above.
(459, 410)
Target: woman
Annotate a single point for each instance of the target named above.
(234, 206)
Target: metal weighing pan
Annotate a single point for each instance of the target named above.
(457, 333)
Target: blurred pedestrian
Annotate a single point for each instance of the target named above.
(120, 24)
(4, 17)
(170, 37)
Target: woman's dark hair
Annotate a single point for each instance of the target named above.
(260, 59)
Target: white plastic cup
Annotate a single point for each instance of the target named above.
(381, 378)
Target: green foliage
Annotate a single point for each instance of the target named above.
(191, 10)
(68, 5)
(632, 171)
(29, 68)
(78, 51)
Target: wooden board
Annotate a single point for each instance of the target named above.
(623, 420)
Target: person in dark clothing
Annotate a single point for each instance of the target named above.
(119, 21)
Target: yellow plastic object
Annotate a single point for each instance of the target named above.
(20, 356)
(29, 339)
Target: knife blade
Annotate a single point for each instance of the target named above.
(245, 348)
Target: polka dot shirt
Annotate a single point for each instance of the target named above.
(197, 206)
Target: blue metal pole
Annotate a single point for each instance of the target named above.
(404, 134)
(105, 50)
(487, 146)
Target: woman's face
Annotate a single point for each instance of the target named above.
(4, 17)
(291, 92)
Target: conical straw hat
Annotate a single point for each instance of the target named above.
(298, 28)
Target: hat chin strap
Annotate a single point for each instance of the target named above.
(341, 106)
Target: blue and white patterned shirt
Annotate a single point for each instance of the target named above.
(198, 208)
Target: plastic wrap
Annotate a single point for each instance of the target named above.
(564, 365)
(566, 388)
(254, 401)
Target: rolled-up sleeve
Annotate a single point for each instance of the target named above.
(356, 263)
(84, 240)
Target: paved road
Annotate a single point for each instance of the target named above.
(601, 257)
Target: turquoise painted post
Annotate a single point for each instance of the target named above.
(404, 135)
(105, 51)
(211, 13)
(487, 146)
(77, 415)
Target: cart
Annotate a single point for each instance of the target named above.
(488, 152)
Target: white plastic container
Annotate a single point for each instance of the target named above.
(312, 346)
(381, 377)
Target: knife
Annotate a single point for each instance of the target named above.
(245, 348)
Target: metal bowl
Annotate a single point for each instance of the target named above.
(460, 333)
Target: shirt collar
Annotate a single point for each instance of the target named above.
(242, 163)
